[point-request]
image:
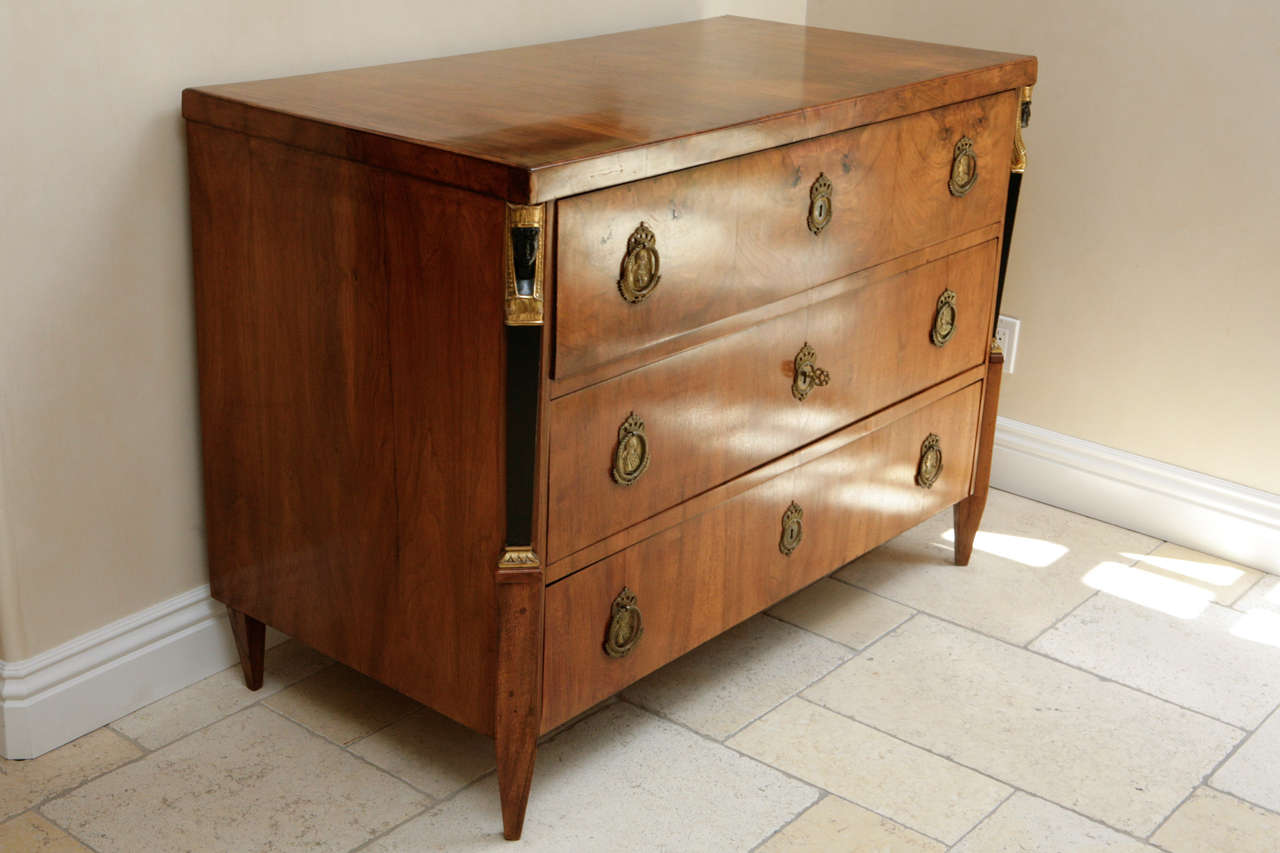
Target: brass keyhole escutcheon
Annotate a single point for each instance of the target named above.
(964, 168)
(944, 319)
(631, 456)
(807, 374)
(625, 626)
(819, 204)
(792, 529)
(639, 274)
(930, 467)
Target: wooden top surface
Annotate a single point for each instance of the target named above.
(533, 123)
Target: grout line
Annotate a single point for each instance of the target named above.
(1204, 780)
(1056, 622)
(1012, 793)
(822, 798)
(1257, 582)
(1068, 665)
(1209, 786)
(431, 801)
(982, 773)
(806, 782)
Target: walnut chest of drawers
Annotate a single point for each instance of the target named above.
(523, 373)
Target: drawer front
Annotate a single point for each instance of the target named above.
(717, 410)
(706, 574)
(734, 235)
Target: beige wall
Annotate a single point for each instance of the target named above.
(1144, 264)
(99, 499)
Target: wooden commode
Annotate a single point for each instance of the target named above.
(523, 373)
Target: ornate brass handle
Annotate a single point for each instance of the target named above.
(944, 319)
(930, 467)
(639, 274)
(819, 204)
(631, 456)
(792, 529)
(625, 627)
(964, 168)
(808, 375)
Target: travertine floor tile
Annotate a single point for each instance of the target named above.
(838, 825)
(842, 613)
(620, 780)
(1226, 581)
(430, 752)
(25, 783)
(726, 683)
(1025, 573)
(254, 781)
(31, 833)
(218, 696)
(1199, 663)
(1100, 748)
(1264, 596)
(342, 705)
(1254, 771)
(1212, 821)
(1026, 824)
(897, 780)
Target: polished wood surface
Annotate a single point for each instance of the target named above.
(752, 317)
(338, 428)
(695, 580)
(518, 705)
(251, 645)
(695, 506)
(733, 235)
(967, 514)
(720, 409)
(545, 121)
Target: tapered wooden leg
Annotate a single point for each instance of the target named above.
(251, 643)
(518, 710)
(967, 514)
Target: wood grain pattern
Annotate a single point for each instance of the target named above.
(518, 706)
(723, 408)
(536, 123)
(695, 506)
(733, 235)
(752, 317)
(695, 580)
(967, 514)
(334, 304)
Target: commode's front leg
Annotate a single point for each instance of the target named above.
(967, 514)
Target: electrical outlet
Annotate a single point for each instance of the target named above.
(1007, 337)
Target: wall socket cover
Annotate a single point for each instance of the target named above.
(1007, 337)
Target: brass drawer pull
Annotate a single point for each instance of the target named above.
(808, 375)
(625, 627)
(964, 168)
(631, 457)
(639, 274)
(930, 467)
(819, 204)
(944, 319)
(792, 529)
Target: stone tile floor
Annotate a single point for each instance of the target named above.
(1078, 687)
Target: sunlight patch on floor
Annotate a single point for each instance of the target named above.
(1260, 626)
(1148, 589)
(1213, 573)
(1037, 553)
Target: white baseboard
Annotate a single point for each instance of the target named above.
(1205, 513)
(68, 691)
